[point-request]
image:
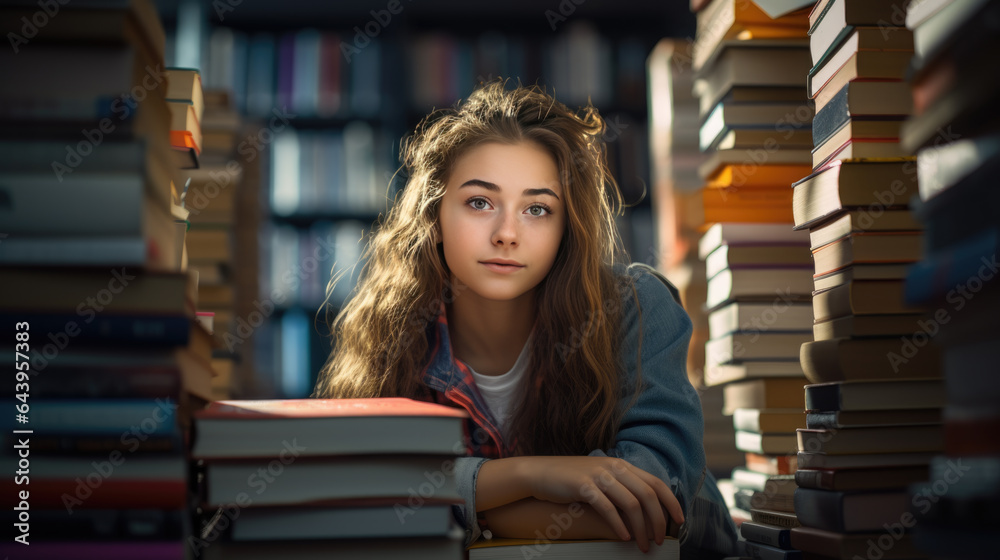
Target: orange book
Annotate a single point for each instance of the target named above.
(766, 176)
(747, 198)
(765, 215)
(772, 464)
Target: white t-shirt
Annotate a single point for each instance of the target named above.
(499, 390)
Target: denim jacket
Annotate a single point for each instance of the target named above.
(661, 433)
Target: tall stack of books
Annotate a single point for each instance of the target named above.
(754, 128)
(673, 118)
(955, 135)
(752, 352)
(873, 414)
(866, 441)
(222, 237)
(111, 360)
(352, 478)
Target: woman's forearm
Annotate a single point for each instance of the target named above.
(531, 518)
(501, 482)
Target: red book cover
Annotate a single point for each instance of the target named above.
(326, 408)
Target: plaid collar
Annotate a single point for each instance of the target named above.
(452, 384)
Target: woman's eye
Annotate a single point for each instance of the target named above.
(538, 214)
(476, 201)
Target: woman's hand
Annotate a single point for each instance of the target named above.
(608, 484)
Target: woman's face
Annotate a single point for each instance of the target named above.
(502, 201)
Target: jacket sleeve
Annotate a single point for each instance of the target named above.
(662, 432)
(466, 473)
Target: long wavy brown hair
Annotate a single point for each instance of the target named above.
(381, 344)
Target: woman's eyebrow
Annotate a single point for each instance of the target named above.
(496, 188)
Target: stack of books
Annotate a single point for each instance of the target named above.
(222, 236)
(862, 234)
(866, 442)
(187, 108)
(758, 315)
(956, 138)
(111, 359)
(353, 478)
(873, 413)
(675, 158)
(754, 115)
(755, 130)
(860, 53)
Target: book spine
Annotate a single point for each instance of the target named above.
(87, 525)
(154, 550)
(769, 518)
(830, 118)
(72, 205)
(765, 552)
(63, 444)
(805, 478)
(61, 382)
(772, 536)
(821, 509)
(112, 329)
(114, 417)
(821, 420)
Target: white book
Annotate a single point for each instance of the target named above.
(761, 317)
(748, 234)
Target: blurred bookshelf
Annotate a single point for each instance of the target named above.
(329, 91)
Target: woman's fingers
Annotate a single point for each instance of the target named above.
(632, 508)
(649, 499)
(603, 505)
(666, 497)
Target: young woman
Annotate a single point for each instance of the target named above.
(495, 284)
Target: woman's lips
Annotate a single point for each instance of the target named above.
(502, 268)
